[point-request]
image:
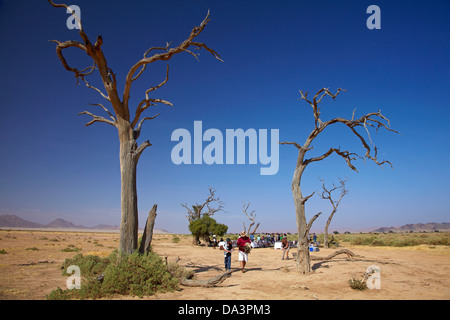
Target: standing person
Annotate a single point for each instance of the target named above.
(214, 241)
(227, 254)
(285, 246)
(243, 251)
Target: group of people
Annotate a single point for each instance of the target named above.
(268, 239)
(244, 245)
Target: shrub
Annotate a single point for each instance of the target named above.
(138, 275)
(90, 265)
(70, 248)
(123, 274)
(206, 226)
(357, 284)
(175, 239)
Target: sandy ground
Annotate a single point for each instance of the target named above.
(420, 272)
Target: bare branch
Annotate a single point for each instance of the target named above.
(293, 143)
(197, 210)
(141, 149)
(147, 102)
(315, 103)
(96, 118)
(145, 56)
(327, 193)
(107, 111)
(368, 120)
(68, 44)
(309, 225)
(96, 89)
(164, 56)
(307, 197)
(251, 216)
(344, 154)
(159, 85)
(67, 8)
(137, 131)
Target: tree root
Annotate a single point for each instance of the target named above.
(186, 278)
(349, 254)
(211, 282)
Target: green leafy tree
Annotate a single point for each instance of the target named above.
(203, 228)
(210, 206)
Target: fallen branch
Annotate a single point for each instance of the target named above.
(32, 263)
(211, 282)
(349, 254)
(186, 279)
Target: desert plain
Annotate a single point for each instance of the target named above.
(30, 268)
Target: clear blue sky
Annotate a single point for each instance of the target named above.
(54, 167)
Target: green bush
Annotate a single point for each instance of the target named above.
(134, 274)
(138, 275)
(90, 265)
(70, 248)
(397, 239)
(206, 226)
(357, 284)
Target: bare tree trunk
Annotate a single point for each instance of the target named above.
(147, 236)
(195, 240)
(129, 211)
(303, 258)
(325, 234)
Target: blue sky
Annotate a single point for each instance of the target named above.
(54, 167)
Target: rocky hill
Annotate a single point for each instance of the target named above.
(13, 221)
(416, 227)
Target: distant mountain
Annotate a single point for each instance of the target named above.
(13, 221)
(432, 226)
(63, 224)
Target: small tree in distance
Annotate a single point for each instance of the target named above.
(252, 217)
(206, 226)
(210, 206)
(327, 195)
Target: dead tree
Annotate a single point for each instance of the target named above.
(373, 119)
(210, 206)
(327, 195)
(127, 124)
(251, 216)
(147, 236)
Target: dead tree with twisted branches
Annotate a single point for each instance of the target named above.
(128, 125)
(211, 205)
(252, 217)
(327, 194)
(367, 121)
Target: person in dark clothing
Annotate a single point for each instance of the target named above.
(228, 248)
